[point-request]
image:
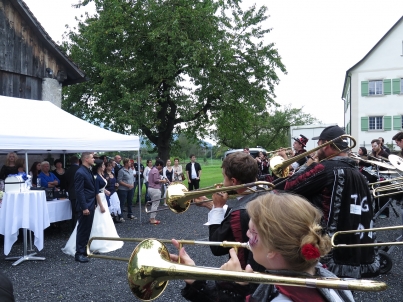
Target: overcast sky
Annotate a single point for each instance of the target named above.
(317, 39)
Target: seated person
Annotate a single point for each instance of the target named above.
(34, 172)
(284, 234)
(48, 179)
(20, 165)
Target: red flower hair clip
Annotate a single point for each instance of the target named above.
(310, 252)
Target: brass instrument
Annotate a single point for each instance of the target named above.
(150, 269)
(280, 167)
(398, 187)
(178, 198)
(229, 244)
(287, 150)
(399, 227)
(386, 181)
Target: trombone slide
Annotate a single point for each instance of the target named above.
(399, 227)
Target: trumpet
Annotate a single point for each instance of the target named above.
(280, 167)
(150, 269)
(179, 198)
(288, 151)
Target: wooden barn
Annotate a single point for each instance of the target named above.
(32, 66)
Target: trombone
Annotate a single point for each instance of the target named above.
(396, 186)
(332, 239)
(178, 198)
(280, 167)
(387, 185)
(150, 269)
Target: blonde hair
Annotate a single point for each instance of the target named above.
(8, 158)
(285, 223)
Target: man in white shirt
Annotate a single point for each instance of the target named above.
(193, 172)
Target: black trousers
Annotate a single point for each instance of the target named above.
(194, 184)
(83, 231)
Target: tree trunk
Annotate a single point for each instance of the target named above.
(164, 147)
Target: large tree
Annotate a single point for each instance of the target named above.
(160, 67)
(269, 129)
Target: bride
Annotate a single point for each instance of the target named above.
(102, 225)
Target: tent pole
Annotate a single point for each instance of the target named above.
(26, 170)
(139, 183)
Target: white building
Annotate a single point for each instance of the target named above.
(373, 91)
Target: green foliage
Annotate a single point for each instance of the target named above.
(269, 129)
(156, 68)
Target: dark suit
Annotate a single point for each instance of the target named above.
(86, 191)
(70, 173)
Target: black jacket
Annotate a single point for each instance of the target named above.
(341, 192)
(234, 228)
(86, 189)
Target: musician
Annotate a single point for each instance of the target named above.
(284, 235)
(384, 148)
(231, 224)
(299, 148)
(377, 150)
(398, 138)
(337, 188)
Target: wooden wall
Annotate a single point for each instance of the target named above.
(20, 86)
(23, 57)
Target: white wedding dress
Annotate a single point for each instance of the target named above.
(102, 226)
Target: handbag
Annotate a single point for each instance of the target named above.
(183, 176)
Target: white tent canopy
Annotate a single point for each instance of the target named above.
(39, 126)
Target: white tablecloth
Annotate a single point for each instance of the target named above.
(23, 210)
(59, 210)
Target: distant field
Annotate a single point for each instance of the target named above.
(211, 175)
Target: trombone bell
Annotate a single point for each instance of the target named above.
(150, 269)
(173, 198)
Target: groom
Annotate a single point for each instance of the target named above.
(84, 184)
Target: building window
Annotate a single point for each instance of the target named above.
(375, 87)
(375, 123)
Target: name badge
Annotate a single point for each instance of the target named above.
(355, 209)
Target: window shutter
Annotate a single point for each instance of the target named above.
(364, 88)
(387, 87)
(397, 122)
(387, 123)
(364, 123)
(396, 86)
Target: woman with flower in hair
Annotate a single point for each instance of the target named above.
(286, 238)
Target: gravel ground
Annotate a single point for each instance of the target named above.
(60, 278)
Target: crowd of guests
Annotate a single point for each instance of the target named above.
(125, 180)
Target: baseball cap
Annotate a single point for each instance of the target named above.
(330, 133)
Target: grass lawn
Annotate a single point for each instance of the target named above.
(211, 175)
